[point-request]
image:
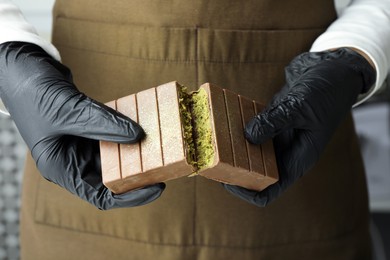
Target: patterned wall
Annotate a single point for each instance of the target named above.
(12, 155)
(13, 149)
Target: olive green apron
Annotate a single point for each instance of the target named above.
(119, 47)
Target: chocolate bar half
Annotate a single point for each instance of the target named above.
(197, 133)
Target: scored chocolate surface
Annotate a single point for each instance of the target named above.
(236, 161)
(271, 168)
(161, 155)
(130, 155)
(254, 152)
(110, 161)
(233, 111)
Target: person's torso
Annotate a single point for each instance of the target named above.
(115, 48)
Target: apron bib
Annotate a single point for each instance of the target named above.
(115, 48)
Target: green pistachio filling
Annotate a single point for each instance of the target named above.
(203, 138)
(186, 118)
(195, 115)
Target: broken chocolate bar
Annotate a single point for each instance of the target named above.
(197, 133)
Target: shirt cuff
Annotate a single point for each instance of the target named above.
(14, 28)
(363, 26)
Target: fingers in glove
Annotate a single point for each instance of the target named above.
(293, 160)
(74, 164)
(137, 197)
(253, 197)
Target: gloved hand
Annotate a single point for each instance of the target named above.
(61, 126)
(320, 90)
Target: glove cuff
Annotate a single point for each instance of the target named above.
(360, 65)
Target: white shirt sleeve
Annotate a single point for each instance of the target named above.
(364, 25)
(14, 27)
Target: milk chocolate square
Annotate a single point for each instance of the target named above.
(174, 145)
(160, 156)
(236, 161)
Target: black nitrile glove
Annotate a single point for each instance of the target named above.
(320, 90)
(61, 126)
